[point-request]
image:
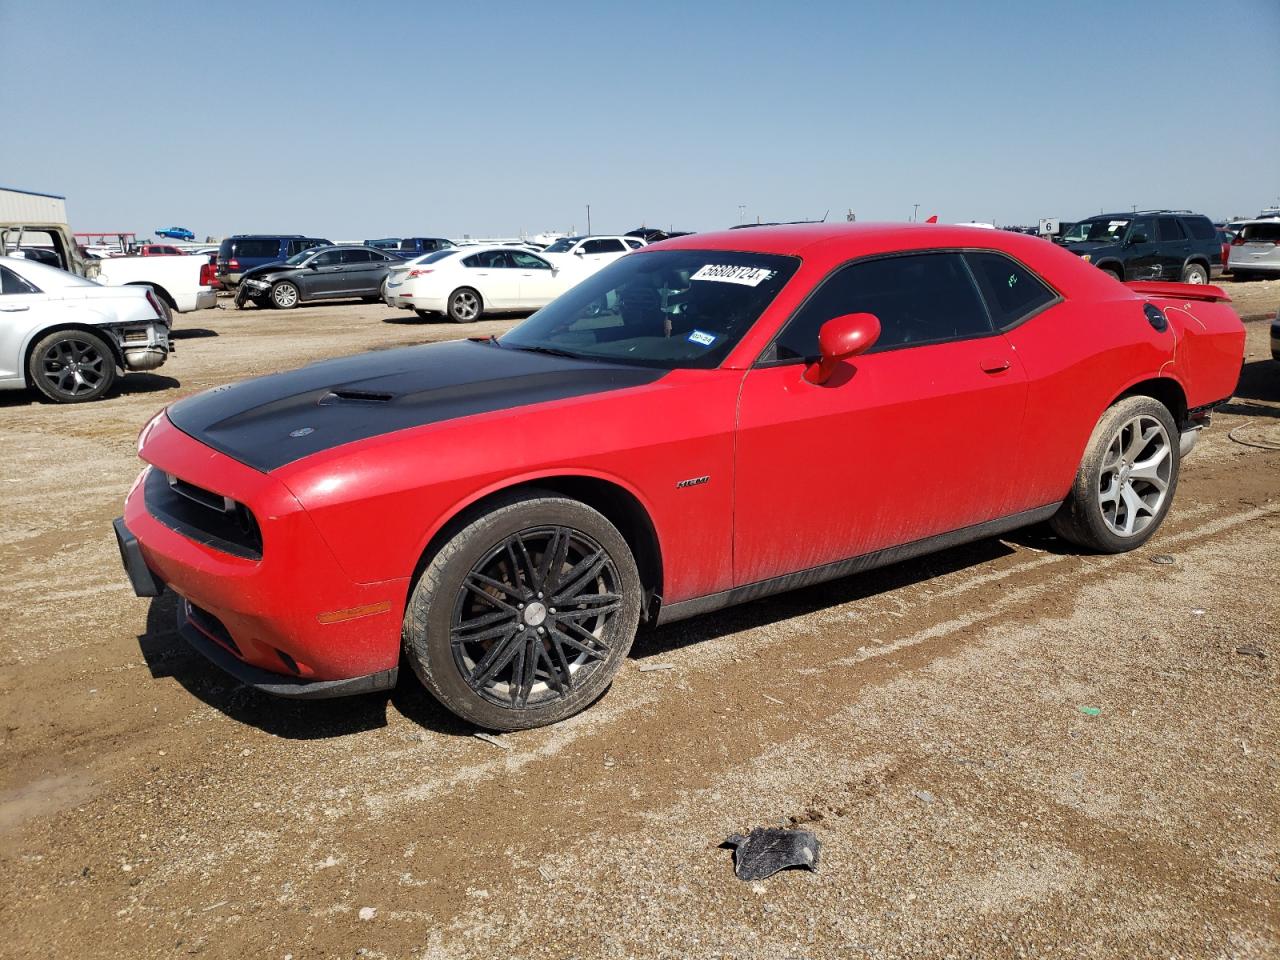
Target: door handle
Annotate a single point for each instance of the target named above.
(994, 365)
(14, 309)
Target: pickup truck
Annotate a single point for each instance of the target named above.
(181, 283)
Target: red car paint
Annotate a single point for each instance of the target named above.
(893, 447)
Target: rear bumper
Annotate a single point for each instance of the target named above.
(206, 299)
(1249, 265)
(286, 617)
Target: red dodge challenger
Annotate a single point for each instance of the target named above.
(706, 421)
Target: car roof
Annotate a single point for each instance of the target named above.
(795, 239)
(43, 274)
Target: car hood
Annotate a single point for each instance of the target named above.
(1081, 247)
(275, 420)
(258, 271)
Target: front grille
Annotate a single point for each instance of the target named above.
(203, 516)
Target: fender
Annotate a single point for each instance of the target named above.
(531, 478)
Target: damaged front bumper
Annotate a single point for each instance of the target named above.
(142, 346)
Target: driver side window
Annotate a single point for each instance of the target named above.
(918, 299)
(330, 258)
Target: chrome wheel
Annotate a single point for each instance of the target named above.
(1134, 480)
(1195, 276)
(534, 618)
(284, 295)
(465, 305)
(73, 367)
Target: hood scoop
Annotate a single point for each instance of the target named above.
(355, 396)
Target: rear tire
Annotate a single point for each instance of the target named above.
(1126, 481)
(465, 305)
(72, 366)
(550, 588)
(1194, 273)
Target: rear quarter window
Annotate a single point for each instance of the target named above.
(1012, 292)
(1199, 227)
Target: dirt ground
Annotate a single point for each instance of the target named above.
(926, 720)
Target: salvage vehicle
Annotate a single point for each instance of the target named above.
(1149, 245)
(754, 411)
(321, 273)
(1255, 251)
(70, 338)
(175, 233)
(244, 251)
(468, 282)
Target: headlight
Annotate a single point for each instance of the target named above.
(257, 283)
(1087, 257)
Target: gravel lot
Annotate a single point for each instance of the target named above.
(924, 719)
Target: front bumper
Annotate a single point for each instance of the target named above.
(289, 621)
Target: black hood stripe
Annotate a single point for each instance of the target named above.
(274, 420)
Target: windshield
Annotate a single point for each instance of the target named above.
(299, 258)
(671, 308)
(1104, 228)
(563, 245)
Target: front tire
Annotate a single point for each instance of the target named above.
(524, 616)
(465, 305)
(72, 366)
(1126, 482)
(1194, 273)
(284, 295)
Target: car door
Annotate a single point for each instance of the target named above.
(23, 307)
(1173, 248)
(494, 277)
(539, 281)
(322, 274)
(1141, 251)
(362, 273)
(915, 438)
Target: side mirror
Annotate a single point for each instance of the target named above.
(1135, 239)
(841, 338)
(578, 252)
(313, 265)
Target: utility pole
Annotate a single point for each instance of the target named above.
(588, 219)
(742, 213)
(915, 212)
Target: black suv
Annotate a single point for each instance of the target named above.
(1149, 245)
(244, 251)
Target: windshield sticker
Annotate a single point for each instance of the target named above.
(727, 273)
(705, 339)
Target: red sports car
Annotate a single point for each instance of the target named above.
(708, 421)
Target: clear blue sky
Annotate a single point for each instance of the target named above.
(396, 118)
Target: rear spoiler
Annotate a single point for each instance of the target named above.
(1179, 291)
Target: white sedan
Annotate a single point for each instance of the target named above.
(468, 282)
(69, 337)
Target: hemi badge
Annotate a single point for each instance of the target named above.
(352, 613)
(695, 482)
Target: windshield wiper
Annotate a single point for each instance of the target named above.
(549, 351)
